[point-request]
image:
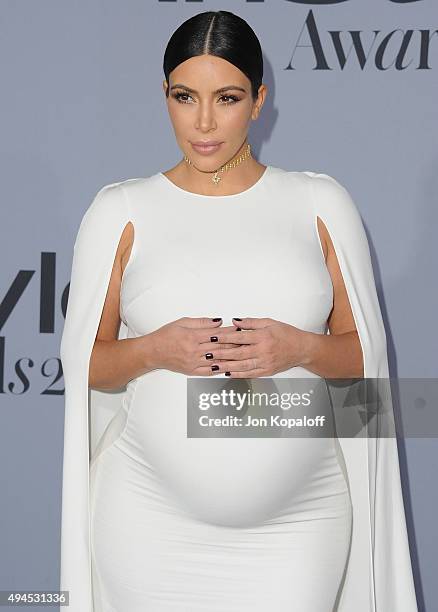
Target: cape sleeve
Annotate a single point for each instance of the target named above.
(93, 256)
(379, 573)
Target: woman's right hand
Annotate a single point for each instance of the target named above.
(180, 346)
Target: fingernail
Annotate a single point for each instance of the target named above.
(213, 338)
(227, 373)
(209, 355)
(217, 319)
(236, 319)
(214, 367)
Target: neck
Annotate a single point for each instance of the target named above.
(232, 181)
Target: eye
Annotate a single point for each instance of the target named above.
(181, 94)
(178, 96)
(232, 98)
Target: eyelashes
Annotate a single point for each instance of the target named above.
(178, 95)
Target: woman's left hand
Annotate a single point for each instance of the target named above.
(266, 347)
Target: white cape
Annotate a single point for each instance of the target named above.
(379, 574)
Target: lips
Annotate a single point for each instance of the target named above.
(206, 143)
(206, 148)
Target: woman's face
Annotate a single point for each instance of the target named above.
(199, 112)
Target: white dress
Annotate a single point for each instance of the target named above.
(157, 521)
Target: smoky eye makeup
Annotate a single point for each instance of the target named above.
(178, 95)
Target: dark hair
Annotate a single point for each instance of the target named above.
(218, 33)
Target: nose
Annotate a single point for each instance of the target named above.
(206, 119)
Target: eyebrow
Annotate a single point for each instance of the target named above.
(221, 90)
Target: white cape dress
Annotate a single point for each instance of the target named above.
(379, 573)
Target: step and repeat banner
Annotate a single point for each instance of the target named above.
(352, 92)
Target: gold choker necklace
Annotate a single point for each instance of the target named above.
(216, 178)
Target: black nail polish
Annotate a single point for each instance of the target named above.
(209, 355)
(236, 319)
(239, 329)
(227, 373)
(217, 319)
(213, 338)
(214, 368)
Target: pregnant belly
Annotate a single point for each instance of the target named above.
(224, 481)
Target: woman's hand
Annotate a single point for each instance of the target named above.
(266, 347)
(186, 345)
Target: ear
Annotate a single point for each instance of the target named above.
(165, 86)
(259, 102)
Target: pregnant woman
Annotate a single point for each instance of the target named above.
(222, 266)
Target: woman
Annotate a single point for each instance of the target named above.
(156, 520)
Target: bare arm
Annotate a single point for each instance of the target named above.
(114, 362)
(338, 355)
(334, 356)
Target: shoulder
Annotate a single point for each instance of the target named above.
(327, 198)
(107, 210)
(113, 200)
(329, 195)
(111, 195)
(321, 187)
(108, 197)
(108, 213)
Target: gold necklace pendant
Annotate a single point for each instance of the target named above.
(216, 178)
